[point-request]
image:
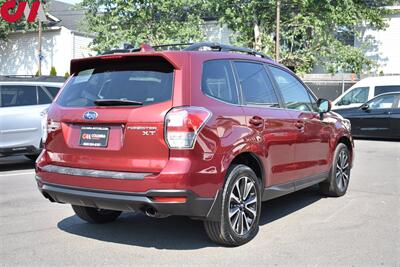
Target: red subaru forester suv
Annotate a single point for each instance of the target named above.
(208, 132)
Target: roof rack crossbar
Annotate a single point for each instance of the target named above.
(194, 47)
(225, 48)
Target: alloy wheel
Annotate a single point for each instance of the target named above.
(342, 170)
(243, 205)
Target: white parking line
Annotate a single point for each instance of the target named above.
(16, 174)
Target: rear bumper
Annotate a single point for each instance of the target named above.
(21, 150)
(194, 206)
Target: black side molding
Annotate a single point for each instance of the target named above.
(287, 188)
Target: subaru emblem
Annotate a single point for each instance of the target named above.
(90, 115)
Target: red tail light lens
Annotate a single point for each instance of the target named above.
(183, 125)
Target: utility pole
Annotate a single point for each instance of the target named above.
(278, 22)
(40, 48)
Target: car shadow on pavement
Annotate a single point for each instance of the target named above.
(177, 233)
(16, 163)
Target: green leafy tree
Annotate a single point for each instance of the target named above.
(312, 31)
(136, 21)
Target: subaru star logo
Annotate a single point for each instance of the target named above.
(90, 115)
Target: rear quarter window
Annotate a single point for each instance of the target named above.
(218, 81)
(386, 89)
(53, 90)
(145, 81)
(43, 97)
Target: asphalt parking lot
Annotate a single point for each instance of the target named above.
(303, 229)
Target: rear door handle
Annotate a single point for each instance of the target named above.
(299, 124)
(256, 121)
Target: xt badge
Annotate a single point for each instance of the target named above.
(146, 130)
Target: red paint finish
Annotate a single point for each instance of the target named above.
(289, 144)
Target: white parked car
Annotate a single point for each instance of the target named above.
(365, 90)
(22, 103)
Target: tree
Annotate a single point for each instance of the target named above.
(136, 21)
(312, 31)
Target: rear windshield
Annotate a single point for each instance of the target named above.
(146, 82)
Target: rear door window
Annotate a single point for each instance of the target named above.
(218, 81)
(257, 89)
(18, 95)
(386, 89)
(147, 82)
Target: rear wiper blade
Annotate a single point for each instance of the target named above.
(117, 102)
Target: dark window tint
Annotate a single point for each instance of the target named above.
(53, 90)
(356, 95)
(255, 84)
(294, 94)
(144, 80)
(43, 97)
(218, 81)
(18, 95)
(386, 89)
(382, 102)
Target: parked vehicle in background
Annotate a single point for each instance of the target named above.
(204, 134)
(22, 101)
(377, 118)
(365, 90)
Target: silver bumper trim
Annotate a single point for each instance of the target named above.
(96, 173)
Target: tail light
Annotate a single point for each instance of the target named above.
(48, 126)
(182, 126)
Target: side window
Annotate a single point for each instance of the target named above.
(295, 95)
(356, 95)
(18, 95)
(43, 97)
(386, 89)
(382, 102)
(256, 87)
(53, 90)
(218, 82)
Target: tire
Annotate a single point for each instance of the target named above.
(93, 215)
(233, 230)
(339, 176)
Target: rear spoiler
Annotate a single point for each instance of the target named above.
(78, 65)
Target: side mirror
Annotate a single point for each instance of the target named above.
(365, 107)
(324, 105)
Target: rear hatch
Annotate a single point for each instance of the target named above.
(110, 115)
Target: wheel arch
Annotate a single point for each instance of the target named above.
(346, 140)
(251, 160)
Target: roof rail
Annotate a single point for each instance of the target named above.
(191, 47)
(172, 46)
(32, 78)
(225, 48)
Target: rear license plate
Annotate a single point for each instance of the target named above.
(94, 136)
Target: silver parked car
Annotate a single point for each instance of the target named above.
(22, 103)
